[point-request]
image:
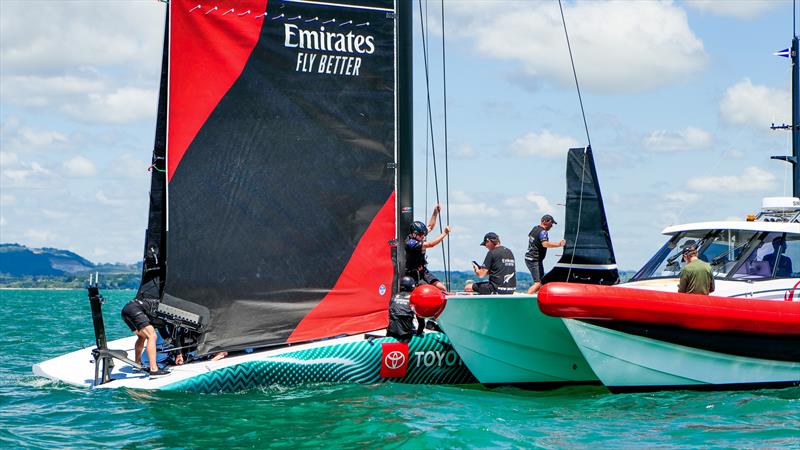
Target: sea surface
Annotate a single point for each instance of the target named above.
(38, 413)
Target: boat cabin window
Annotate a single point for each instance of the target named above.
(722, 249)
(777, 255)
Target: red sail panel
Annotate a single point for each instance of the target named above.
(209, 46)
(700, 312)
(359, 301)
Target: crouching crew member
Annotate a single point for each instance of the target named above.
(401, 315)
(139, 314)
(499, 265)
(416, 245)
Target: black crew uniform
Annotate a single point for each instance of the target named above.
(534, 257)
(502, 272)
(417, 263)
(140, 312)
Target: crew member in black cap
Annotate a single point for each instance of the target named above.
(538, 243)
(499, 265)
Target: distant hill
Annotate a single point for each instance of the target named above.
(25, 267)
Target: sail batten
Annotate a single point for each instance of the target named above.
(282, 201)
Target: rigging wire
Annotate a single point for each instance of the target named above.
(588, 139)
(427, 128)
(430, 123)
(446, 159)
(574, 73)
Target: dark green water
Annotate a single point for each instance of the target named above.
(37, 413)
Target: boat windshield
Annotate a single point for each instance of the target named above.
(723, 249)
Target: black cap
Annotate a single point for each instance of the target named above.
(548, 218)
(490, 236)
(689, 246)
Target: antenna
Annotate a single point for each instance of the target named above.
(794, 159)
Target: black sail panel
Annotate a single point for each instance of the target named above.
(155, 243)
(588, 256)
(282, 203)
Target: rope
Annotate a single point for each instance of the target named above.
(427, 128)
(446, 159)
(588, 139)
(430, 123)
(575, 74)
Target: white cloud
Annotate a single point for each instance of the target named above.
(688, 139)
(8, 159)
(544, 143)
(7, 200)
(123, 105)
(17, 137)
(39, 237)
(740, 9)
(79, 167)
(23, 173)
(106, 200)
(47, 90)
(465, 151)
(629, 46)
(128, 166)
(682, 197)
(52, 214)
(753, 179)
(528, 206)
(47, 36)
(465, 206)
(747, 104)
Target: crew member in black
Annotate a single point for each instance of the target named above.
(538, 243)
(499, 265)
(138, 315)
(401, 315)
(416, 262)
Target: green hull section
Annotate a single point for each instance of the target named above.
(429, 359)
(506, 339)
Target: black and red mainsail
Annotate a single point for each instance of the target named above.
(281, 160)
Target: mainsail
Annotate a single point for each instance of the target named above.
(588, 256)
(153, 267)
(281, 157)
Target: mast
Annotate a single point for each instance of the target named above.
(405, 120)
(794, 160)
(795, 119)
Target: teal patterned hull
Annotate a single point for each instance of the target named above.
(429, 359)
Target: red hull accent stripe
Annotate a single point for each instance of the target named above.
(700, 312)
(359, 301)
(207, 53)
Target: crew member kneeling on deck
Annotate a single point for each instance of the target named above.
(138, 315)
(499, 265)
(402, 316)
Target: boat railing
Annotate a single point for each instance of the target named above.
(767, 291)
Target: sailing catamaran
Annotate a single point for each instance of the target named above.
(282, 184)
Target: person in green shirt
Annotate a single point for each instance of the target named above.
(696, 275)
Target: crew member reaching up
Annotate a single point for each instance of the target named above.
(416, 245)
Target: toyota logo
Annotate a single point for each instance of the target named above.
(394, 360)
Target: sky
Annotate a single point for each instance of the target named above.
(679, 98)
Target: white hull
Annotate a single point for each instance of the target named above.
(427, 359)
(625, 362)
(505, 339)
